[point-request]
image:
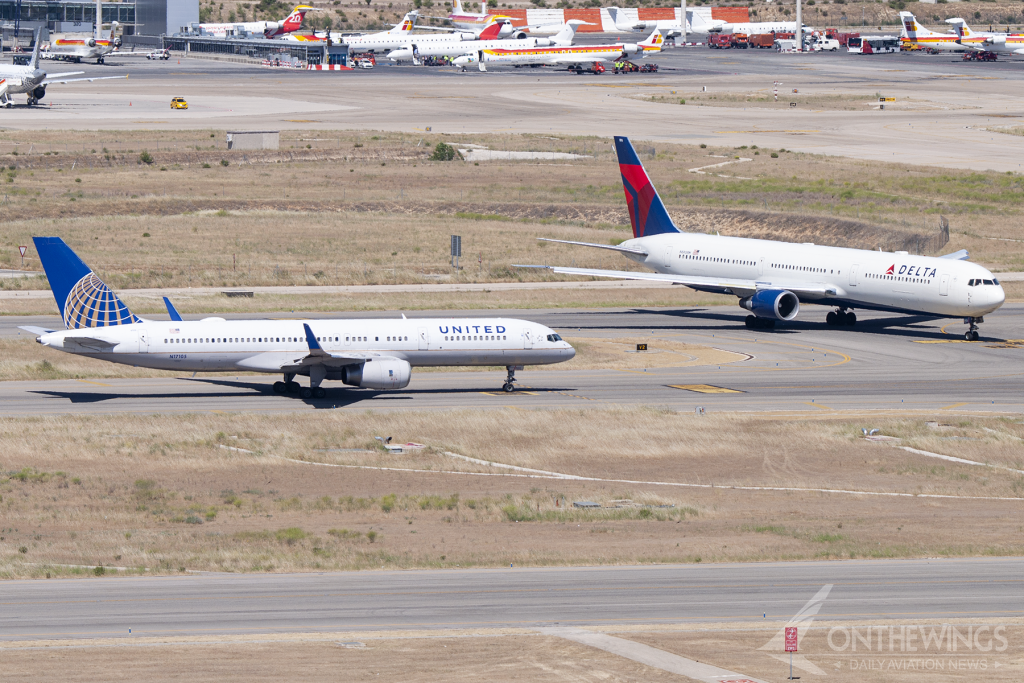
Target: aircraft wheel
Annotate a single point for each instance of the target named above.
(279, 387)
(750, 322)
(769, 324)
(851, 319)
(292, 387)
(306, 392)
(320, 392)
(971, 335)
(508, 387)
(830, 319)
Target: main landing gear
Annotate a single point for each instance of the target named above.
(754, 323)
(290, 386)
(972, 332)
(509, 385)
(841, 317)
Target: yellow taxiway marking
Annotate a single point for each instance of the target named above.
(99, 384)
(510, 393)
(818, 405)
(705, 389)
(950, 407)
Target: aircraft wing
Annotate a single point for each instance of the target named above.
(69, 73)
(280, 360)
(48, 81)
(736, 286)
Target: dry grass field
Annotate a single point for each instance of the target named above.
(308, 492)
(364, 207)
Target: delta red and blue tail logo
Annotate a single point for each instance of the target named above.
(646, 211)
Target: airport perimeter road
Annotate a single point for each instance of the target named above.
(886, 362)
(988, 589)
(947, 112)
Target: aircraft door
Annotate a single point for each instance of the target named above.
(853, 274)
(668, 258)
(944, 285)
(760, 266)
(527, 338)
(424, 340)
(143, 341)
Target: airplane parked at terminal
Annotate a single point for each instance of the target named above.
(698, 24)
(372, 353)
(914, 34)
(381, 41)
(670, 28)
(989, 42)
(453, 46)
(33, 81)
(771, 278)
(573, 57)
(86, 47)
(269, 29)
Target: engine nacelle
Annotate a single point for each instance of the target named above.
(522, 35)
(543, 42)
(777, 304)
(382, 375)
(39, 92)
(91, 42)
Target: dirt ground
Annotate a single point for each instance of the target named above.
(242, 493)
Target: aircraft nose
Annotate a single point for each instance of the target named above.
(998, 295)
(570, 352)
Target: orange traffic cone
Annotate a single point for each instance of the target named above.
(129, 104)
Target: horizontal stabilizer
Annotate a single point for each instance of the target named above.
(623, 250)
(35, 330)
(961, 255)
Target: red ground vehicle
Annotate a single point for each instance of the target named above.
(983, 56)
(765, 41)
(356, 56)
(595, 68)
(842, 37)
(719, 41)
(739, 41)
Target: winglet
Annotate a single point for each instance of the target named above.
(314, 346)
(171, 310)
(961, 255)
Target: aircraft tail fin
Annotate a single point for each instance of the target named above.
(457, 7)
(646, 211)
(654, 42)
(568, 32)
(83, 299)
(34, 62)
(961, 28)
(407, 25)
(912, 29)
(492, 31)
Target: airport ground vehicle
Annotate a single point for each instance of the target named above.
(825, 45)
(771, 279)
(178, 103)
(762, 40)
(373, 354)
(159, 54)
(842, 36)
(869, 45)
(979, 56)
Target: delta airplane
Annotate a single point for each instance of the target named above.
(1012, 43)
(451, 45)
(913, 33)
(32, 80)
(372, 354)
(771, 279)
(573, 57)
(269, 29)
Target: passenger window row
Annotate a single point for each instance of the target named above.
(897, 278)
(805, 269)
(714, 259)
(477, 337)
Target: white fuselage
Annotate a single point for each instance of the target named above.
(218, 345)
(221, 30)
(559, 55)
(763, 27)
(21, 79)
(414, 47)
(864, 279)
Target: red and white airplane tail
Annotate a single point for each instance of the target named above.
(407, 25)
(292, 23)
(654, 42)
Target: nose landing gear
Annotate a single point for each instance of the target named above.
(972, 332)
(509, 385)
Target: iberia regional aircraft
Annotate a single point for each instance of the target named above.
(771, 278)
(573, 57)
(914, 34)
(396, 36)
(448, 46)
(372, 354)
(989, 42)
(269, 29)
(87, 47)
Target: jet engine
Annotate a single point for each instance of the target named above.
(378, 374)
(92, 42)
(39, 92)
(775, 304)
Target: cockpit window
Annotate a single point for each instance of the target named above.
(987, 282)
(995, 281)
(554, 338)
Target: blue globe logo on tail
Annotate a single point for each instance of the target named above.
(91, 304)
(83, 299)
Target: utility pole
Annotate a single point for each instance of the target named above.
(682, 19)
(799, 29)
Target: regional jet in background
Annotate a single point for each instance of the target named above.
(698, 24)
(576, 58)
(269, 29)
(75, 49)
(913, 33)
(1012, 43)
(33, 81)
(452, 46)
(372, 353)
(772, 279)
(395, 37)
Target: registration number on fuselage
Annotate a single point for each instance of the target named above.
(177, 356)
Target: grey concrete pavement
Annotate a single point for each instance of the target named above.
(886, 362)
(947, 111)
(980, 588)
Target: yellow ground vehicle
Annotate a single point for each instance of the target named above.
(178, 103)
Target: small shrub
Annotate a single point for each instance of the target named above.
(445, 152)
(205, 165)
(775, 155)
(291, 535)
(224, 162)
(23, 550)
(99, 571)
(703, 146)
(145, 234)
(193, 519)
(371, 536)
(645, 513)
(78, 180)
(145, 158)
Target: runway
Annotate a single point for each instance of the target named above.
(977, 588)
(887, 362)
(947, 112)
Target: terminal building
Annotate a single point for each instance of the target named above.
(136, 17)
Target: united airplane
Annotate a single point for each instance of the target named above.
(772, 279)
(372, 354)
(573, 57)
